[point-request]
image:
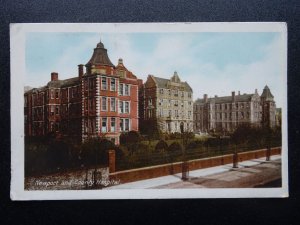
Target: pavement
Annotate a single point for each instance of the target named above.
(251, 173)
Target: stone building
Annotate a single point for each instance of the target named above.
(226, 113)
(169, 101)
(100, 101)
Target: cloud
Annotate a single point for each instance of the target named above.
(181, 53)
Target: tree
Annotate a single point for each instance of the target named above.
(249, 135)
(150, 128)
(131, 140)
(94, 151)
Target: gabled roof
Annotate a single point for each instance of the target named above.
(163, 83)
(227, 99)
(121, 67)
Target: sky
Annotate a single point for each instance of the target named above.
(212, 63)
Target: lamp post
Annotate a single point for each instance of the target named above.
(185, 166)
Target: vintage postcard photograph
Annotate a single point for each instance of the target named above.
(156, 110)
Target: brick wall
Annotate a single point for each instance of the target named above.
(173, 168)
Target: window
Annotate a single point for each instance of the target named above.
(169, 92)
(104, 125)
(52, 110)
(150, 101)
(52, 94)
(189, 114)
(127, 107)
(176, 103)
(113, 124)
(103, 83)
(51, 126)
(56, 94)
(104, 104)
(121, 107)
(121, 125)
(126, 92)
(182, 94)
(176, 93)
(86, 105)
(112, 84)
(189, 94)
(91, 104)
(113, 104)
(73, 92)
(161, 112)
(161, 91)
(126, 124)
(170, 113)
(121, 89)
(176, 113)
(57, 110)
(160, 102)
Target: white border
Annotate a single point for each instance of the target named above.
(17, 43)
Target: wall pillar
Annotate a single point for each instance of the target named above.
(112, 161)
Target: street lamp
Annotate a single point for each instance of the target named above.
(185, 166)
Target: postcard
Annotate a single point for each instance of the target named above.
(148, 110)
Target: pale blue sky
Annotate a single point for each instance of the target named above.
(213, 63)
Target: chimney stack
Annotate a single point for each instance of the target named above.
(120, 61)
(205, 98)
(80, 70)
(233, 96)
(54, 76)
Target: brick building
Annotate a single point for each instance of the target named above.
(228, 112)
(101, 101)
(169, 101)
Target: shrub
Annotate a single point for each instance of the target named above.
(161, 146)
(192, 145)
(175, 147)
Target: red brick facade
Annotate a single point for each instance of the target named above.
(103, 101)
